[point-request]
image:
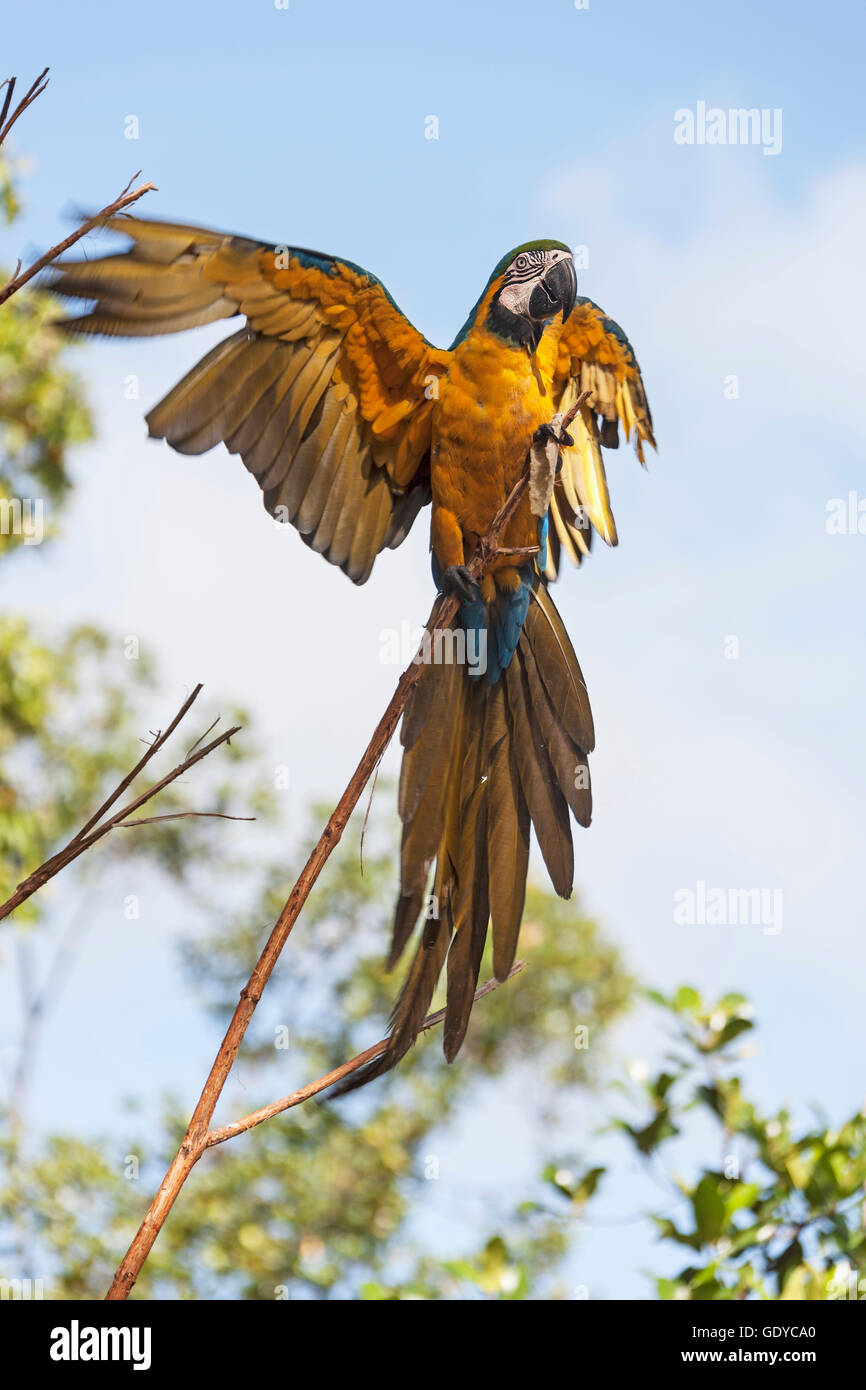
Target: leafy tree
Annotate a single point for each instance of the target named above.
(42, 410)
(779, 1217)
(73, 708)
(74, 713)
(323, 1201)
(782, 1215)
(73, 721)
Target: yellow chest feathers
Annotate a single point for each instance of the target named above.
(491, 401)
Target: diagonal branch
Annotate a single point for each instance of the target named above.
(125, 199)
(93, 830)
(198, 1135)
(324, 1083)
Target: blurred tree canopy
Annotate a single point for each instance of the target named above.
(74, 704)
(324, 1200)
(42, 408)
(73, 721)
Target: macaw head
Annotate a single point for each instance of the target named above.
(528, 288)
(537, 281)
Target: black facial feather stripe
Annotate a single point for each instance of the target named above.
(517, 273)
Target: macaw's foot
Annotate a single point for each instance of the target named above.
(547, 431)
(456, 579)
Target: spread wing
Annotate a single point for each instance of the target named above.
(591, 353)
(325, 392)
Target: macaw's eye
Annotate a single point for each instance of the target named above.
(522, 262)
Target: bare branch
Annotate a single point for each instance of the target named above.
(191, 750)
(94, 831)
(29, 97)
(315, 1088)
(178, 815)
(123, 201)
(9, 84)
(158, 740)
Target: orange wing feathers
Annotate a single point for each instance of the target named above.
(591, 353)
(324, 393)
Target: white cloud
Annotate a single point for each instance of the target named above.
(747, 281)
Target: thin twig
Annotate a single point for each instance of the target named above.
(93, 831)
(178, 815)
(194, 746)
(28, 98)
(9, 84)
(158, 740)
(196, 1139)
(367, 816)
(315, 1088)
(124, 201)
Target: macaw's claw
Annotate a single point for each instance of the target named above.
(456, 579)
(547, 431)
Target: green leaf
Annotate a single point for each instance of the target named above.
(709, 1208)
(687, 1000)
(732, 1029)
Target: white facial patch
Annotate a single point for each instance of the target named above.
(516, 297)
(523, 275)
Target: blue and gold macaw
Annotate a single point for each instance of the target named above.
(351, 422)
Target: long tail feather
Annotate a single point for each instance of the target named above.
(481, 762)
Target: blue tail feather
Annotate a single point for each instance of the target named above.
(493, 630)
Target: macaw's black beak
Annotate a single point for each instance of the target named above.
(556, 291)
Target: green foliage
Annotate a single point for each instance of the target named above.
(503, 1270)
(73, 709)
(42, 410)
(74, 714)
(41, 413)
(782, 1216)
(61, 1213)
(9, 204)
(318, 1202)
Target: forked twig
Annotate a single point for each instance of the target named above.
(125, 199)
(96, 827)
(29, 97)
(324, 1083)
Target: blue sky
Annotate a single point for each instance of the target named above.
(307, 126)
